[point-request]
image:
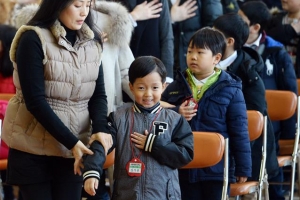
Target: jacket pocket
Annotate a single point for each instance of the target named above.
(217, 106)
(170, 190)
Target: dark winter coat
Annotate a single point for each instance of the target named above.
(248, 66)
(222, 109)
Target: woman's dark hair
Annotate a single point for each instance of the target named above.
(7, 34)
(49, 11)
(208, 38)
(144, 65)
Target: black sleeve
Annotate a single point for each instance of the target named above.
(31, 74)
(98, 106)
(93, 164)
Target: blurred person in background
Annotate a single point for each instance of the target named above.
(187, 17)
(285, 27)
(6, 7)
(7, 34)
(152, 33)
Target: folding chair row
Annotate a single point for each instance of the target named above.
(209, 149)
(256, 126)
(281, 106)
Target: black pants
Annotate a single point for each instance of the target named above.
(51, 191)
(7, 189)
(43, 177)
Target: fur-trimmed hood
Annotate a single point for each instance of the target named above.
(22, 16)
(111, 18)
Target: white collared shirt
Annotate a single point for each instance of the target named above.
(202, 81)
(223, 64)
(255, 43)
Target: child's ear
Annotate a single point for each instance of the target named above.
(131, 87)
(218, 57)
(256, 27)
(164, 85)
(230, 41)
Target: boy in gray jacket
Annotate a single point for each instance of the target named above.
(151, 142)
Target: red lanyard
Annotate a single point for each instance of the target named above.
(131, 131)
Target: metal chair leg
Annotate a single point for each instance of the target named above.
(237, 198)
(298, 172)
(266, 187)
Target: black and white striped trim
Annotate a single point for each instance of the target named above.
(150, 139)
(90, 174)
(136, 109)
(154, 111)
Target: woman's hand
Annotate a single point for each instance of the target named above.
(104, 138)
(78, 150)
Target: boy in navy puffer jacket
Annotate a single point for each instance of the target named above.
(221, 108)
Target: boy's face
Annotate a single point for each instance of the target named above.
(290, 5)
(147, 90)
(253, 30)
(201, 62)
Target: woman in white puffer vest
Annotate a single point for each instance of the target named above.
(113, 19)
(60, 100)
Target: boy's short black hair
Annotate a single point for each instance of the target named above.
(232, 25)
(208, 38)
(257, 12)
(144, 65)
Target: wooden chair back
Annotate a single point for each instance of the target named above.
(255, 124)
(208, 149)
(298, 84)
(281, 104)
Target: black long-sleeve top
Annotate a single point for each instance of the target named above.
(31, 74)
